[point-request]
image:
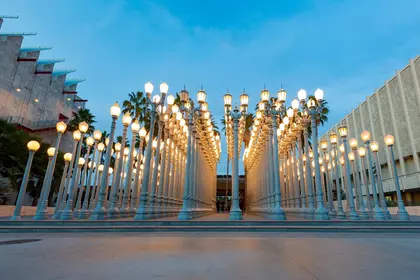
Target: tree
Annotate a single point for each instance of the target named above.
(135, 105)
(13, 157)
(83, 115)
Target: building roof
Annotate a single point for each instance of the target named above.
(62, 72)
(50, 61)
(17, 33)
(34, 49)
(73, 82)
(12, 17)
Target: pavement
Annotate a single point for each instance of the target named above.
(210, 256)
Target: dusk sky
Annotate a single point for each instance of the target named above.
(348, 48)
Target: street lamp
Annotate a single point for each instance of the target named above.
(401, 212)
(100, 211)
(42, 213)
(352, 215)
(362, 153)
(321, 213)
(334, 155)
(143, 211)
(324, 147)
(362, 210)
(33, 146)
(377, 213)
(124, 210)
(374, 146)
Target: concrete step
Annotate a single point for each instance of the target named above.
(208, 226)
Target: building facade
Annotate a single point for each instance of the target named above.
(392, 109)
(34, 95)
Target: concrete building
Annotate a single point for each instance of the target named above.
(34, 95)
(393, 109)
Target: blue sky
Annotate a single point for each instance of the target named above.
(346, 47)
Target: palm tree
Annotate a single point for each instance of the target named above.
(135, 105)
(83, 115)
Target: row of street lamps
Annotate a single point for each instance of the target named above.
(174, 174)
(285, 174)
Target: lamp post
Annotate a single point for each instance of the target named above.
(76, 137)
(33, 146)
(321, 213)
(50, 153)
(374, 146)
(377, 213)
(401, 212)
(235, 115)
(334, 156)
(79, 191)
(352, 215)
(134, 198)
(362, 153)
(100, 211)
(82, 209)
(142, 211)
(42, 213)
(362, 209)
(324, 147)
(113, 211)
(308, 176)
(67, 158)
(124, 211)
(67, 212)
(97, 135)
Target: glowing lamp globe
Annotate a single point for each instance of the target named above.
(101, 168)
(353, 143)
(97, 134)
(227, 98)
(126, 151)
(51, 151)
(101, 147)
(319, 94)
(110, 170)
(286, 120)
(183, 94)
(107, 141)
(374, 146)
(342, 148)
(77, 135)
(170, 99)
(290, 113)
(178, 116)
(362, 152)
(295, 104)
(351, 156)
(261, 106)
(156, 99)
(33, 146)
(83, 127)
(302, 95)
(148, 87)
(117, 146)
(164, 88)
(342, 130)
(365, 135)
(142, 132)
(244, 99)
(90, 141)
(324, 144)
(61, 127)
(281, 95)
(265, 95)
(333, 138)
(311, 104)
(389, 140)
(81, 161)
(154, 144)
(201, 96)
(135, 126)
(115, 110)
(175, 109)
(68, 157)
(342, 160)
(126, 119)
(258, 115)
(281, 127)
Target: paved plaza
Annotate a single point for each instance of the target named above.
(210, 256)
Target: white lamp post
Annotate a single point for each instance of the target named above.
(33, 146)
